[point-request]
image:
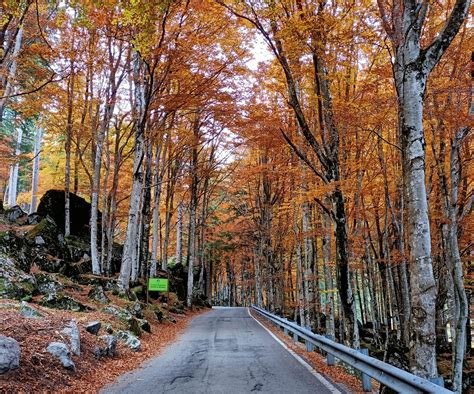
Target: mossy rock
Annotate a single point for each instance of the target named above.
(18, 249)
(144, 325)
(134, 326)
(97, 294)
(135, 309)
(15, 283)
(158, 312)
(28, 311)
(138, 292)
(62, 301)
(48, 284)
(130, 321)
(121, 314)
(78, 248)
(130, 340)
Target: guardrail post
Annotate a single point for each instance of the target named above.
(309, 346)
(285, 330)
(329, 357)
(366, 381)
(295, 337)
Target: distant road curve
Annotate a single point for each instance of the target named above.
(224, 351)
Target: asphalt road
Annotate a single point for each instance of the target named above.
(223, 351)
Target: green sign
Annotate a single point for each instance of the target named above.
(157, 284)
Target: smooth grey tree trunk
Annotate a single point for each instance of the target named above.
(456, 266)
(158, 180)
(14, 169)
(67, 148)
(130, 245)
(36, 168)
(11, 72)
(412, 66)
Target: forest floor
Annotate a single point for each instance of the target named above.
(337, 373)
(40, 372)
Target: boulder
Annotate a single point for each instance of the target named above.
(78, 248)
(137, 293)
(28, 311)
(14, 214)
(93, 327)
(108, 347)
(47, 247)
(97, 294)
(135, 327)
(135, 309)
(121, 314)
(130, 340)
(9, 354)
(14, 282)
(144, 325)
(72, 332)
(52, 204)
(47, 284)
(126, 317)
(61, 352)
(16, 248)
(158, 313)
(61, 301)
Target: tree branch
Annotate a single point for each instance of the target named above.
(432, 54)
(303, 157)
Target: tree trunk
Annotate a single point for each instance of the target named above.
(67, 148)
(14, 169)
(343, 273)
(329, 288)
(179, 234)
(460, 297)
(36, 167)
(192, 211)
(158, 180)
(422, 282)
(9, 83)
(130, 244)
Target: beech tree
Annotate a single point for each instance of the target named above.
(411, 67)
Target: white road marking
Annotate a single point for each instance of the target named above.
(317, 375)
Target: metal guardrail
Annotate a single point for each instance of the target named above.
(393, 377)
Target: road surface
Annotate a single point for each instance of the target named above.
(223, 351)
